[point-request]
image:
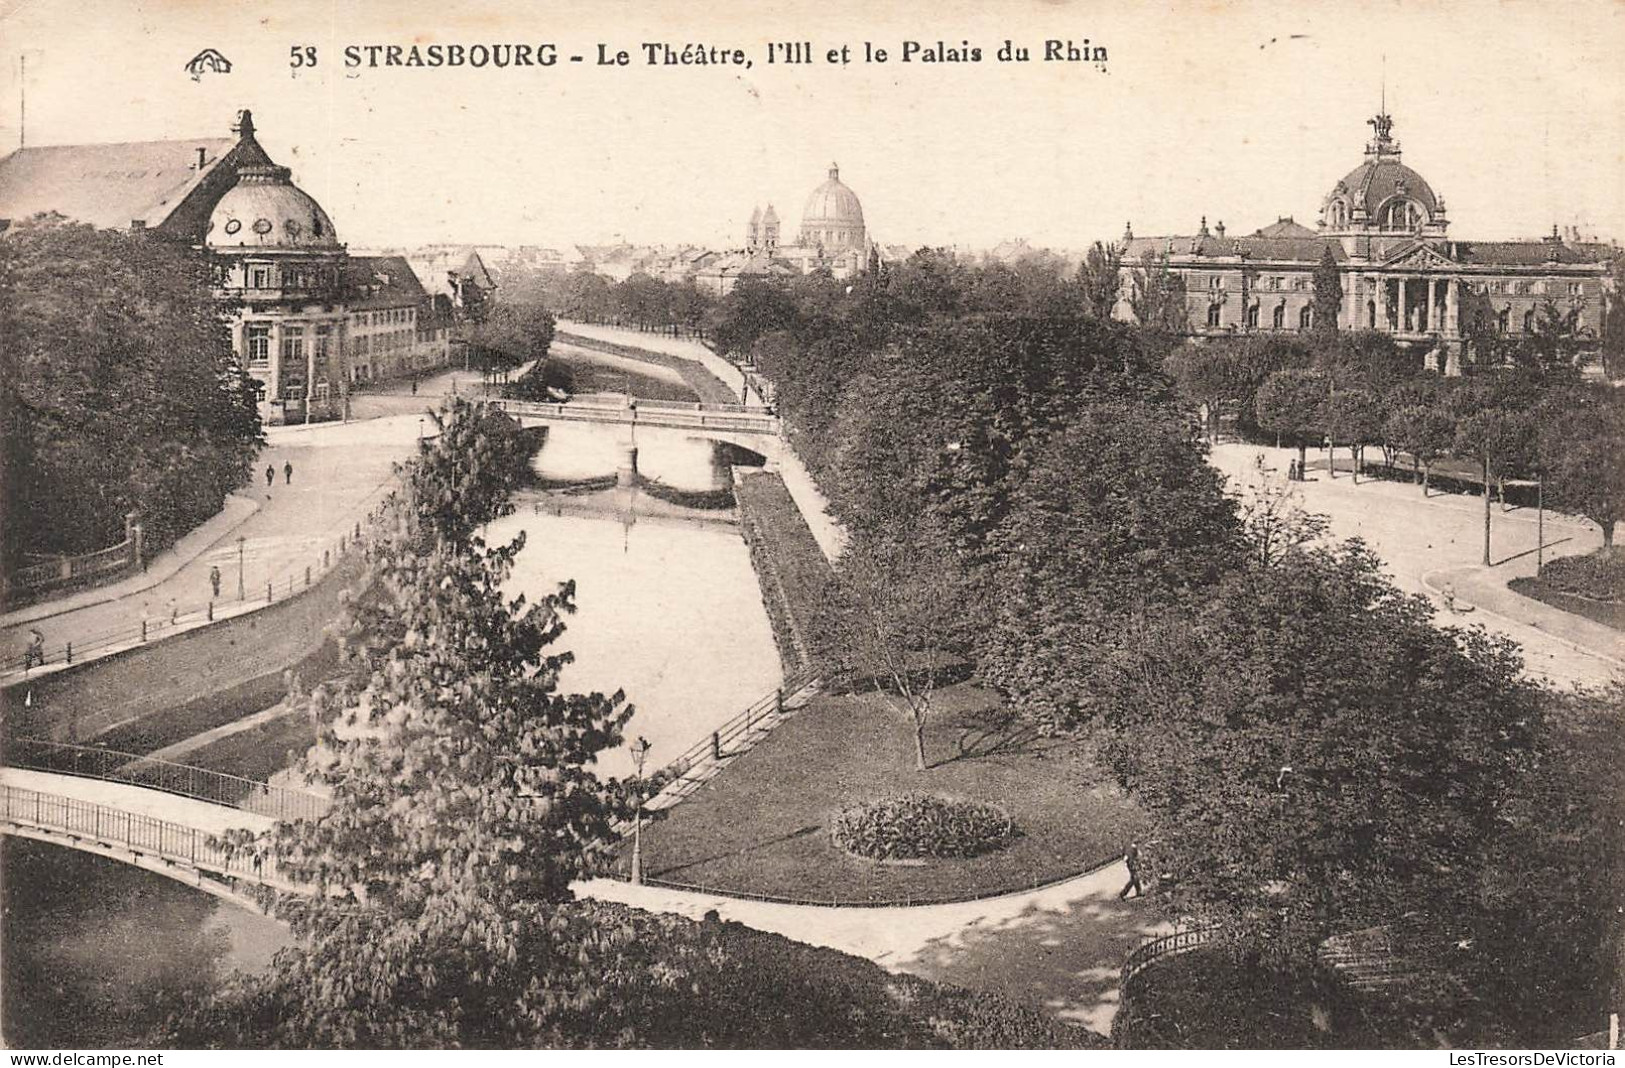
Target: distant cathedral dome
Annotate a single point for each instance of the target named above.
(833, 218)
(1382, 193)
(265, 210)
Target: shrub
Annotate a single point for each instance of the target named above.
(921, 825)
(1599, 576)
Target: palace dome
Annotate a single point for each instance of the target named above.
(1373, 182)
(1382, 193)
(833, 217)
(265, 210)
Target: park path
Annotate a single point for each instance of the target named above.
(340, 472)
(1059, 948)
(1433, 544)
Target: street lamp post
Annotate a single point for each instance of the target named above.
(1540, 523)
(640, 752)
(240, 593)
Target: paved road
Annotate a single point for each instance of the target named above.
(340, 471)
(1427, 543)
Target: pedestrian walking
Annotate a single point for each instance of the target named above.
(414, 385)
(174, 612)
(214, 580)
(1132, 859)
(287, 472)
(34, 655)
(270, 475)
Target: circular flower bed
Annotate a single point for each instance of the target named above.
(918, 826)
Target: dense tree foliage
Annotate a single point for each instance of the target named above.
(1322, 756)
(119, 390)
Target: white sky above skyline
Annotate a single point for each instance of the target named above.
(1513, 111)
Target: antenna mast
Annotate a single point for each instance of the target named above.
(22, 100)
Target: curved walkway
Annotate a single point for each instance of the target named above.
(1429, 542)
(1060, 947)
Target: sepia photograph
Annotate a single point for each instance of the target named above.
(829, 524)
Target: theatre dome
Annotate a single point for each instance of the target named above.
(265, 210)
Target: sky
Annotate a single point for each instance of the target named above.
(1240, 111)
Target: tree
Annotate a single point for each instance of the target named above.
(1293, 405)
(1327, 304)
(119, 390)
(900, 618)
(1354, 417)
(1100, 279)
(1208, 376)
(1318, 756)
(1273, 519)
(1500, 438)
(1114, 513)
(1612, 332)
(1581, 442)
(1425, 432)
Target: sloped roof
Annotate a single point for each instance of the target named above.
(1285, 228)
(380, 282)
(109, 186)
(1286, 249)
(1515, 253)
(433, 265)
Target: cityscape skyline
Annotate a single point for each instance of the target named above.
(1236, 117)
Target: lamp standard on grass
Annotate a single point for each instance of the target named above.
(640, 752)
(240, 593)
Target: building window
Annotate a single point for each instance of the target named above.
(1215, 281)
(1575, 289)
(259, 277)
(293, 342)
(1252, 317)
(1502, 320)
(257, 343)
(1306, 317)
(1213, 314)
(1278, 317)
(1529, 321)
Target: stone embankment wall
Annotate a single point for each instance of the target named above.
(235, 663)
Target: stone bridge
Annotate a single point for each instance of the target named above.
(748, 428)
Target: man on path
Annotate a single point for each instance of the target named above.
(214, 580)
(34, 655)
(287, 472)
(270, 475)
(1132, 859)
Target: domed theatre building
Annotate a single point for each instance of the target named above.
(280, 263)
(307, 318)
(1400, 270)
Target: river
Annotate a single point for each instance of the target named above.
(669, 611)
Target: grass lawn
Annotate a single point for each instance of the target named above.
(762, 825)
(260, 752)
(1608, 613)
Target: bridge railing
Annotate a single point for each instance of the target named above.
(144, 834)
(183, 780)
(1147, 953)
(707, 418)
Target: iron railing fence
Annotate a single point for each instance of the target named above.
(340, 542)
(145, 834)
(201, 784)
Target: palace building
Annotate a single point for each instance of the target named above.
(1401, 271)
